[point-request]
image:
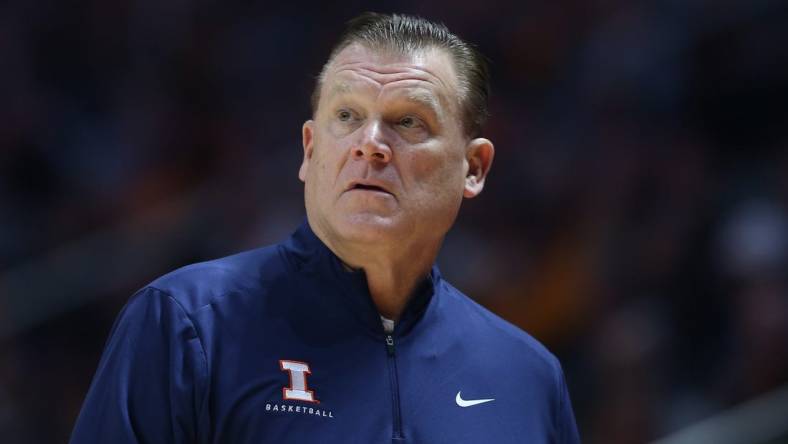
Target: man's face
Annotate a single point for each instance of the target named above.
(385, 158)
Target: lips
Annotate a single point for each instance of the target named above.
(361, 186)
(369, 185)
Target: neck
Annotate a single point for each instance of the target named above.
(392, 272)
(391, 286)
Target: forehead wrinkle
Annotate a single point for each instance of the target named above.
(385, 80)
(350, 74)
(382, 60)
(405, 72)
(380, 71)
(342, 87)
(380, 80)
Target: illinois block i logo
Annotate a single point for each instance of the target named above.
(298, 390)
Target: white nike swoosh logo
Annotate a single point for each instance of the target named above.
(470, 402)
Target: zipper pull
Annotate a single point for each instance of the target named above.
(390, 344)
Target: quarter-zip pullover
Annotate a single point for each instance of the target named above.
(283, 345)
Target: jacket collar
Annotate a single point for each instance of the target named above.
(312, 257)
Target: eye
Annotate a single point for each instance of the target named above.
(344, 115)
(409, 122)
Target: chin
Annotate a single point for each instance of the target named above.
(370, 227)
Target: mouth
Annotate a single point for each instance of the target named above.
(368, 186)
(360, 186)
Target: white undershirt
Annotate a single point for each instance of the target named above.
(388, 324)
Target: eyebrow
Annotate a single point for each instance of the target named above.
(425, 99)
(339, 89)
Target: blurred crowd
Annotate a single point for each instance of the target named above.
(635, 220)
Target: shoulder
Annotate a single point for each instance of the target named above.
(516, 358)
(197, 285)
(493, 333)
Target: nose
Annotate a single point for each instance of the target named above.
(373, 146)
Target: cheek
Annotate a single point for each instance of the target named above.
(326, 159)
(437, 173)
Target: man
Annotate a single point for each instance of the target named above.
(346, 332)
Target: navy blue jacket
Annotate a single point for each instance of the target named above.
(283, 345)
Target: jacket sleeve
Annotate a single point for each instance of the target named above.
(151, 380)
(565, 417)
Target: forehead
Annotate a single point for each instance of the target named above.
(421, 73)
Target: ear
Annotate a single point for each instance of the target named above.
(307, 139)
(479, 157)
